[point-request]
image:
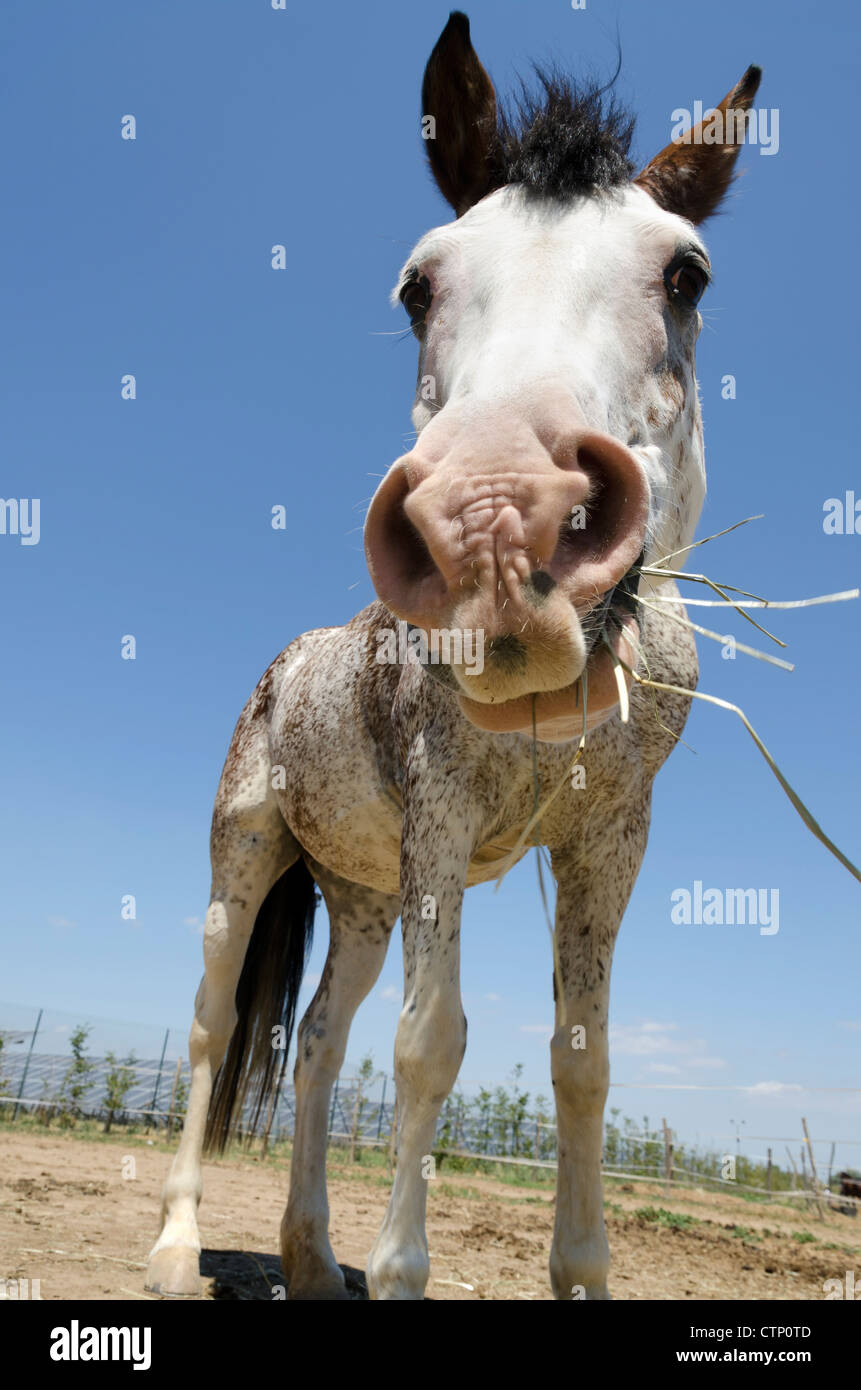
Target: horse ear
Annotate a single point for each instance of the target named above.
(692, 174)
(459, 118)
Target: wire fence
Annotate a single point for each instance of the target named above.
(496, 1125)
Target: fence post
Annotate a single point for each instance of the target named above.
(332, 1111)
(382, 1104)
(157, 1081)
(668, 1157)
(276, 1094)
(393, 1136)
(813, 1169)
(768, 1173)
(27, 1064)
(354, 1122)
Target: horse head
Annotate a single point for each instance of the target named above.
(559, 441)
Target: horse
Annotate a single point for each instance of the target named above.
(426, 744)
(850, 1186)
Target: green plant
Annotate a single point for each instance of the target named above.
(78, 1078)
(659, 1216)
(482, 1104)
(118, 1082)
(364, 1078)
(180, 1096)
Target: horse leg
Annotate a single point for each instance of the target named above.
(360, 924)
(431, 1035)
(593, 892)
(251, 847)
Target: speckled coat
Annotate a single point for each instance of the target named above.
(372, 774)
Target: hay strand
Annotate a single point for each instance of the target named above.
(809, 820)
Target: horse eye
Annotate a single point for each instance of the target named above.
(416, 298)
(686, 283)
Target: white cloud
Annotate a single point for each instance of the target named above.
(494, 998)
(651, 1039)
(60, 922)
(643, 1039)
(664, 1068)
(195, 923)
(390, 992)
(773, 1088)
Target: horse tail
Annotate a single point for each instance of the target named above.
(266, 996)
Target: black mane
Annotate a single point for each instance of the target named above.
(566, 140)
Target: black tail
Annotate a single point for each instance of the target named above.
(265, 998)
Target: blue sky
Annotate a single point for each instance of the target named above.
(257, 387)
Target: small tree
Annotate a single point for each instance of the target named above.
(78, 1078)
(449, 1135)
(4, 1086)
(517, 1110)
(118, 1083)
(544, 1139)
(499, 1117)
(366, 1073)
(180, 1099)
(612, 1138)
(482, 1104)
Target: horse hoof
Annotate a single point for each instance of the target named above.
(320, 1285)
(174, 1272)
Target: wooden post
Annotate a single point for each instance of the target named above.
(382, 1104)
(805, 1181)
(271, 1111)
(150, 1117)
(27, 1066)
(668, 1157)
(332, 1111)
(393, 1136)
(813, 1170)
(768, 1173)
(176, 1077)
(831, 1163)
(794, 1169)
(354, 1123)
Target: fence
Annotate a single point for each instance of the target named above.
(496, 1125)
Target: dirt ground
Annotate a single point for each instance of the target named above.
(71, 1219)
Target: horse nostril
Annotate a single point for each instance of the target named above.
(402, 568)
(507, 653)
(538, 586)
